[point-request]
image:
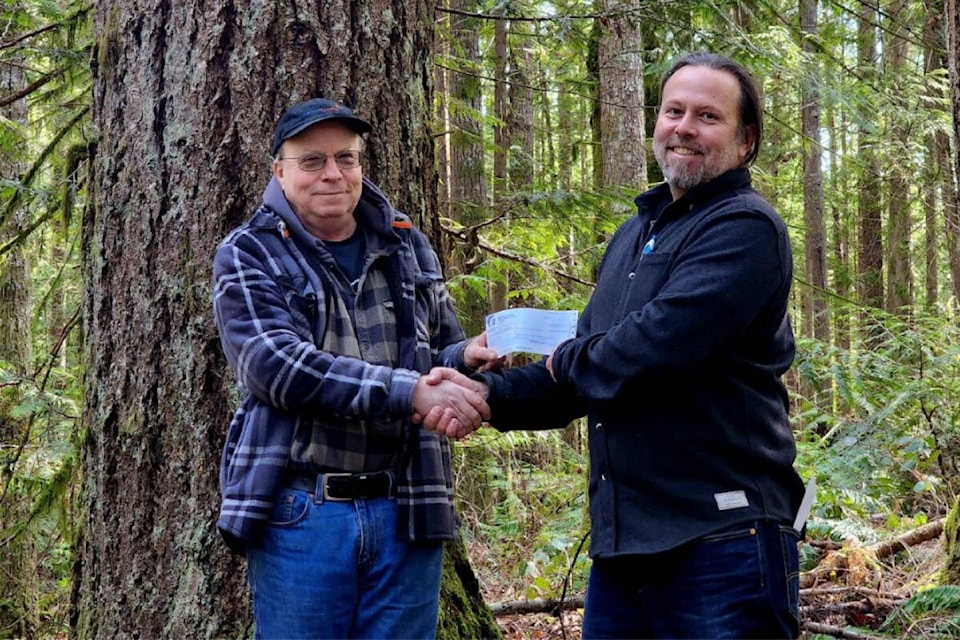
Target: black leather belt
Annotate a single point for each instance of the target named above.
(347, 486)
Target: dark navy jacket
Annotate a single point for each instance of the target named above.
(677, 365)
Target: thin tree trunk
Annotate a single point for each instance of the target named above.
(870, 248)
(441, 81)
(932, 180)
(951, 210)
(841, 221)
(816, 322)
(899, 298)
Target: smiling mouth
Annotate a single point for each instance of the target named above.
(685, 151)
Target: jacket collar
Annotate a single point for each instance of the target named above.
(651, 203)
(374, 214)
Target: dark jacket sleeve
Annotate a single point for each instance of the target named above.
(528, 398)
(718, 286)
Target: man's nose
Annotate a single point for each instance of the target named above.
(686, 126)
(330, 167)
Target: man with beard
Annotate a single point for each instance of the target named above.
(677, 364)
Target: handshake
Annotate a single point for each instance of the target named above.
(450, 403)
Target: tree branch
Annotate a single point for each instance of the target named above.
(909, 539)
(538, 605)
(533, 263)
(837, 632)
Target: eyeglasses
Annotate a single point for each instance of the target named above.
(347, 159)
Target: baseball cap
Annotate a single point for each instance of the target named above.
(306, 114)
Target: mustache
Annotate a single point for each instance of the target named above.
(677, 142)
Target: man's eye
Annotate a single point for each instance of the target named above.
(348, 159)
(312, 162)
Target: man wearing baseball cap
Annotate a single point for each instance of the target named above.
(330, 307)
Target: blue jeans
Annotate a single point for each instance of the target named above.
(337, 570)
(742, 582)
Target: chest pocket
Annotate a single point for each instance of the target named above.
(305, 307)
(427, 308)
(624, 293)
(651, 273)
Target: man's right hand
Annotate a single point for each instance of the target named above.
(450, 403)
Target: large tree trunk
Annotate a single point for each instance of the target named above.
(185, 99)
(620, 97)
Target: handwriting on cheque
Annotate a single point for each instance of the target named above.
(529, 330)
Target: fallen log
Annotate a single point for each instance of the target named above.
(872, 605)
(837, 632)
(553, 606)
(911, 538)
(859, 564)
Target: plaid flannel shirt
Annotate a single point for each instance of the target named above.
(266, 295)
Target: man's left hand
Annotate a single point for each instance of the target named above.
(479, 357)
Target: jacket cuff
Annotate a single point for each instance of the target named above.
(400, 393)
(452, 356)
(559, 362)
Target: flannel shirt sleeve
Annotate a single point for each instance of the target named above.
(264, 341)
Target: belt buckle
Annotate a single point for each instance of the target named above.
(324, 488)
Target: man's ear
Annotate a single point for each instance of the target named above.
(749, 140)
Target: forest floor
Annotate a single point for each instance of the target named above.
(856, 591)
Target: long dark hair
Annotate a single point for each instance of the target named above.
(751, 112)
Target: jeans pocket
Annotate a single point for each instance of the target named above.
(791, 569)
(733, 533)
(289, 509)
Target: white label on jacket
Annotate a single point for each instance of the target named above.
(731, 500)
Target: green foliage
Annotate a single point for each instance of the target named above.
(877, 424)
(545, 247)
(44, 146)
(931, 613)
(522, 496)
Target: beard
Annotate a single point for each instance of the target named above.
(680, 175)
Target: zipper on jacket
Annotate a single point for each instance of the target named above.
(649, 240)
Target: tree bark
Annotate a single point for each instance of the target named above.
(186, 95)
(816, 322)
(620, 97)
(952, 210)
(870, 247)
(951, 529)
(899, 296)
(951, 533)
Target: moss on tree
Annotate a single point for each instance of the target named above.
(463, 613)
(951, 571)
